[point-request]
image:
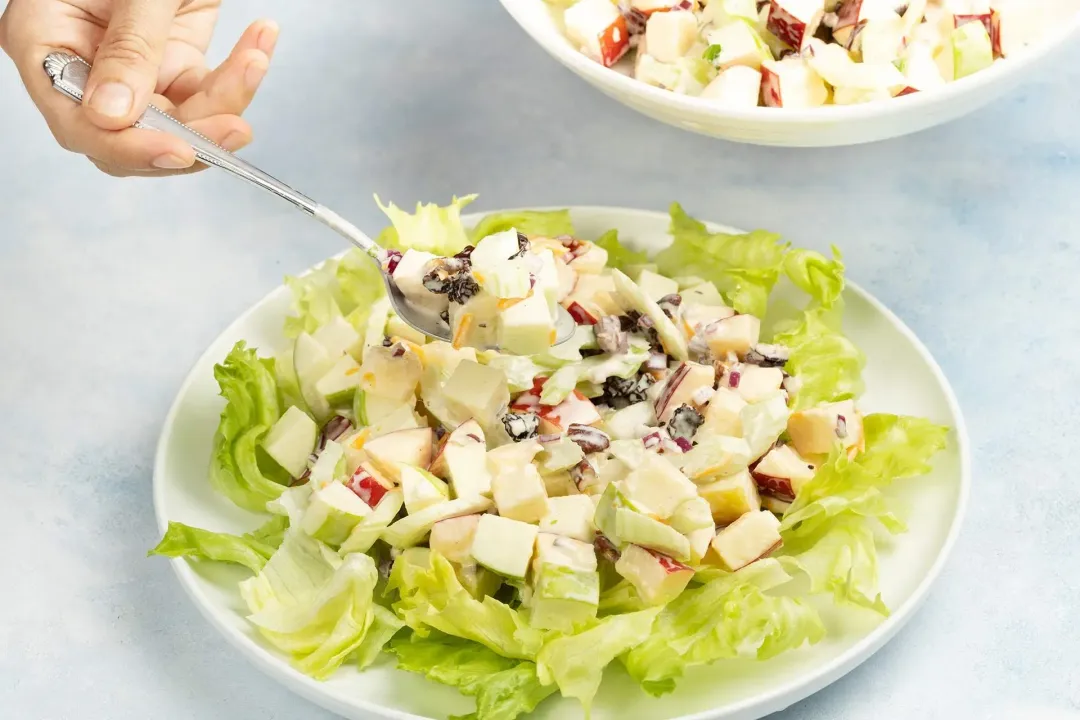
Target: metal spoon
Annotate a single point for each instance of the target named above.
(69, 74)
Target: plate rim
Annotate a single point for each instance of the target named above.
(773, 700)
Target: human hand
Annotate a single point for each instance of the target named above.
(142, 51)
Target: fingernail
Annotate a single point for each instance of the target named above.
(170, 162)
(112, 99)
(253, 75)
(268, 37)
(235, 140)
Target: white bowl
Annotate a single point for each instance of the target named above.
(816, 127)
(901, 377)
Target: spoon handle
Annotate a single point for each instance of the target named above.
(69, 74)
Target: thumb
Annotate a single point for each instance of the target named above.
(126, 65)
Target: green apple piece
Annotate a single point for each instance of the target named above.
(478, 581)
(389, 375)
(713, 456)
(421, 488)
(404, 447)
(453, 538)
(693, 514)
(371, 410)
(657, 578)
(333, 512)
(311, 362)
(338, 336)
(559, 484)
(526, 327)
(368, 530)
(630, 422)
(703, 294)
(479, 391)
(504, 546)
(474, 323)
(731, 497)
(571, 516)
(634, 299)
(291, 440)
(972, 49)
(566, 584)
(440, 360)
(638, 529)
(700, 542)
(339, 383)
(398, 328)
(656, 286)
(329, 465)
(462, 459)
(657, 486)
(412, 529)
(559, 454)
(403, 417)
(610, 502)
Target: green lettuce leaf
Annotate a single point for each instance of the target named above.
(519, 369)
(431, 596)
(829, 529)
(828, 365)
(431, 228)
(818, 277)
(551, 223)
(251, 550)
(252, 406)
(504, 689)
(313, 605)
(576, 662)
(620, 257)
(345, 287)
(384, 626)
(744, 268)
(728, 617)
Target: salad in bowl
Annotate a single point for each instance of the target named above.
(682, 482)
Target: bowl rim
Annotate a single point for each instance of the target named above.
(548, 36)
(327, 696)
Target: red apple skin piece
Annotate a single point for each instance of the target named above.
(987, 19)
(995, 33)
(785, 26)
(366, 487)
(907, 91)
(777, 487)
(581, 315)
(670, 565)
(770, 88)
(614, 42)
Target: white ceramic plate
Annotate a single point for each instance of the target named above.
(814, 127)
(900, 375)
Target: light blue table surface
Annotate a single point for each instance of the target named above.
(110, 289)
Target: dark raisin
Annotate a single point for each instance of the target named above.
(684, 423)
(620, 392)
(387, 342)
(462, 289)
(521, 426)
(670, 304)
(466, 253)
(768, 355)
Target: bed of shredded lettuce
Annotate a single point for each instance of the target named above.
(323, 609)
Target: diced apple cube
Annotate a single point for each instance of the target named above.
(669, 35)
(478, 390)
(598, 29)
(520, 494)
(630, 422)
(723, 414)
(752, 382)
(462, 460)
(421, 488)
(291, 440)
(595, 295)
(736, 87)
(656, 286)
(782, 472)
(817, 430)
(576, 409)
(571, 516)
(731, 497)
(791, 83)
(648, 7)
(409, 447)
(751, 537)
(409, 278)
(682, 387)
(452, 538)
(740, 45)
(736, 334)
(412, 529)
(565, 581)
(657, 578)
(794, 21)
(657, 487)
(854, 14)
(504, 546)
(714, 455)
